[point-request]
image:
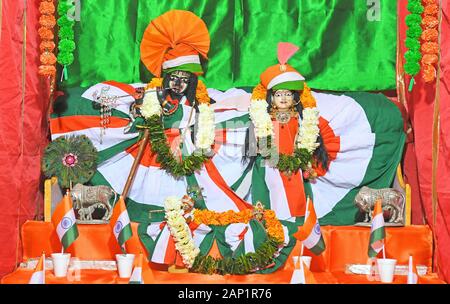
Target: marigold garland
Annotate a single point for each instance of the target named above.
(45, 34)
(48, 58)
(430, 36)
(47, 22)
(47, 46)
(46, 8)
(211, 218)
(244, 264)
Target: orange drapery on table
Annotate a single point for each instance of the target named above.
(345, 245)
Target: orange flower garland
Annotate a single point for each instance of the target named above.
(47, 22)
(207, 217)
(430, 36)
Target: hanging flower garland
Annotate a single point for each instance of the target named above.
(247, 263)
(412, 42)
(47, 22)
(66, 45)
(306, 142)
(430, 36)
(180, 231)
(151, 110)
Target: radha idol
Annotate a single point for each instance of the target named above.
(286, 145)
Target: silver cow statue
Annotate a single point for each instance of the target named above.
(393, 201)
(89, 198)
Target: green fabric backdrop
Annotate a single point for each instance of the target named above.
(341, 49)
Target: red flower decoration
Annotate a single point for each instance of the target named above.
(70, 160)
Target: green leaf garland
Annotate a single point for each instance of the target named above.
(412, 41)
(244, 264)
(66, 45)
(288, 164)
(159, 146)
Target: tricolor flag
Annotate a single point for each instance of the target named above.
(38, 276)
(413, 275)
(302, 274)
(64, 221)
(136, 276)
(310, 233)
(120, 222)
(377, 233)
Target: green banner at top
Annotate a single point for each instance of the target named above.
(345, 45)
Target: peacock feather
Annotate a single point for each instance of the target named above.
(70, 159)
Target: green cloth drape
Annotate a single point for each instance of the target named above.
(342, 46)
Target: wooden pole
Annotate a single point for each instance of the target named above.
(136, 162)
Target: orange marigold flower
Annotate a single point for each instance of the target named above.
(431, 9)
(47, 21)
(259, 92)
(430, 48)
(307, 100)
(46, 8)
(429, 59)
(47, 70)
(430, 35)
(430, 21)
(45, 33)
(47, 46)
(48, 58)
(428, 73)
(202, 94)
(429, 1)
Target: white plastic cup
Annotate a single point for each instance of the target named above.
(304, 259)
(125, 264)
(60, 264)
(386, 269)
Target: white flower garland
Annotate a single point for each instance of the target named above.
(206, 121)
(206, 134)
(261, 118)
(180, 231)
(150, 105)
(308, 128)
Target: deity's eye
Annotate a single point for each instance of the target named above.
(184, 80)
(283, 94)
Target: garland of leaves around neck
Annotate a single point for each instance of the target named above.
(159, 146)
(301, 158)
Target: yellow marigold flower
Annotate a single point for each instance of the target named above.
(155, 83)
